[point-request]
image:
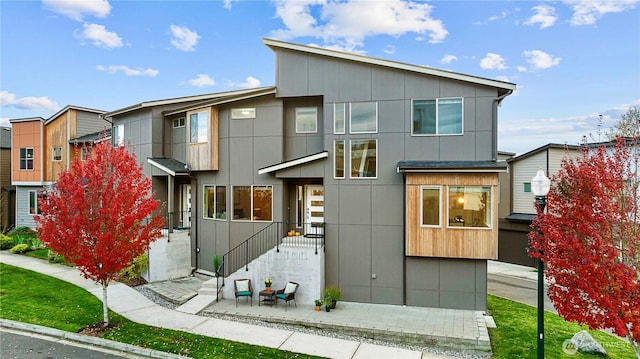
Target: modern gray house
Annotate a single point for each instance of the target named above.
(389, 170)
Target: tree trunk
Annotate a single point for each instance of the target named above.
(105, 308)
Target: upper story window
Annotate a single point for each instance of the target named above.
(339, 115)
(441, 116)
(527, 187)
(364, 159)
(26, 158)
(178, 122)
(85, 153)
(363, 117)
(118, 135)
(470, 206)
(243, 113)
(306, 119)
(198, 126)
(430, 206)
(215, 202)
(56, 154)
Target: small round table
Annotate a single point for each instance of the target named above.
(268, 298)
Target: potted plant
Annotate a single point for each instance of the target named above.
(267, 283)
(327, 303)
(216, 265)
(318, 304)
(332, 294)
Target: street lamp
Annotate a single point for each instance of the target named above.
(540, 186)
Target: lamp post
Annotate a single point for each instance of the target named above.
(540, 186)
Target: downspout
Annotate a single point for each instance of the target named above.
(404, 239)
(494, 139)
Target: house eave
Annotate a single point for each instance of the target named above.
(293, 163)
(226, 99)
(451, 167)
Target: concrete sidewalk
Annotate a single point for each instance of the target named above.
(512, 270)
(136, 307)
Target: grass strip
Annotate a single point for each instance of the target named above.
(30, 297)
(517, 328)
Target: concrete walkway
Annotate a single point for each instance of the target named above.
(136, 307)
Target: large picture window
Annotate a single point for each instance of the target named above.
(470, 206)
(363, 117)
(198, 127)
(338, 159)
(252, 203)
(306, 119)
(437, 117)
(215, 202)
(363, 159)
(26, 158)
(430, 206)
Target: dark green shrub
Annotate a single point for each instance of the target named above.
(54, 257)
(6, 242)
(20, 248)
(23, 231)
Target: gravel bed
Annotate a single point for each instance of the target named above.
(154, 297)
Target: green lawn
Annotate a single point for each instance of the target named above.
(516, 334)
(30, 297)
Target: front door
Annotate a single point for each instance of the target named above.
(185, 206)
(314, 210)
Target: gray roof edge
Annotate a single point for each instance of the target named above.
(273, 43)
(74, 107)
(542, 148)
(259, 91)
(403, 166)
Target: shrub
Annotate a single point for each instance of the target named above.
(332, 292)
(6, 242)
(19, 248)
(137, 267)
(54, 257)
(23, 231)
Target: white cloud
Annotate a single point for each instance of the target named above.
(503, 14)
(227, 4)
(99, 36)
(139, 71)
(4, 122)
(447, 59)
(249, 82)
(202, 80)
(390, 49)
(77, 9)
(27, 103)
(493, 62)
(540, 59)
(522, 69)
(588, 12)
(545, 16)
(183, 38)
(343, 23)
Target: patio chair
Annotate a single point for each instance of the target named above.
(287, 294)
(242, 288)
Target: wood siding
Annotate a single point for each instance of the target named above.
(481, 243)
(56, 135)
(204, 156)
(27, 135)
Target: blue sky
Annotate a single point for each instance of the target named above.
(572, 60)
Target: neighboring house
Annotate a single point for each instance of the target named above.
(516, 221)
(393, 165)
(7, 192)
(42, 149)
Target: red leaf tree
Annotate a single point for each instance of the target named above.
(100, 214)
(590, 240)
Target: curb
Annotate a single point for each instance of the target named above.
(88, 340)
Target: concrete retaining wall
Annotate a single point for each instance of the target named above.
(170, 257)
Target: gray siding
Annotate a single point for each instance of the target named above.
(23, 217)
(89, 122)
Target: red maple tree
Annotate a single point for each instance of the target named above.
(590, 241)
(100, 214)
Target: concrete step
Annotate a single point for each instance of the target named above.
(210, 287)
(197, 304)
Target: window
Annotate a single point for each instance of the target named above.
(430, 208)
(215, 202)
(243, 113)
(33, 203)
(338, 118)
(26, 158)
(527, 187)
(85, 153)
(363, 117)
(470, 206)
(56, 153)
(119, 135)
(252, 203)
(363, 158)
(338, 159)
(178, 122)
(198, 126)
(306, 119)
(437, 117)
